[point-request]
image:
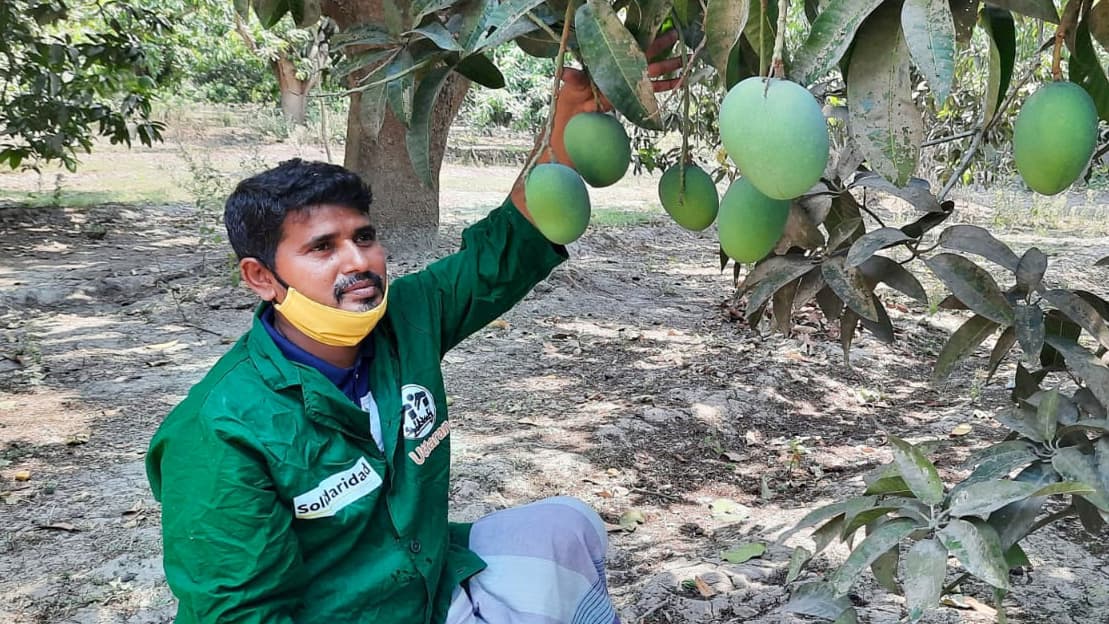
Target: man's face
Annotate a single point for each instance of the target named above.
(331, 254)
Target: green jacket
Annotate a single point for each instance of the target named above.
(277, 505)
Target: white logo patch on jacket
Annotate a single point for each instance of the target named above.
(418, 409)
(337, 491)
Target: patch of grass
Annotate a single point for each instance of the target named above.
(87, 199)
(621, 217)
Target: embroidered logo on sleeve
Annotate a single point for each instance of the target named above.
(418, 409)
(337, 491)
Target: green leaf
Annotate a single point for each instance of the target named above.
(1088, 366)
(828, 533)
(1013, 522)
(998, 24)
(882, 269)
(850, 285)
(779, 271)
(1039, 9)
(1077, 466)
(760, 30)
(1022, 420)
(270, 12)
(363, 35)
(400, 86)
(1016, 558)
(978, 548)
(831, 34)
(827, 512)
(965, 14)
(1047, 414)
(1028, 321)
(242, 8)
(1081, 312)
(480, 69)
(1086, 69)
(797, 560)
(884, 569)
(439, 35)
(503, 18)
(1030, 269)
(999, 460)
(371, 108)
(984, 497)
(1098, 23)
(644, 19)
(305, 12)
(1057, 324)
(1089, 403)
(616, 63)
(1097, 425)
(1091, 518)
(961, 344)
(917, 191)
(863, 248)
(472, 27)
(930, 34)
(743, 552)
(917, 471)
(972, 285)
(369, 61)
(418, 138)
(1001, 348)
(883, 327)
(817, 599)
(724, 23)
(420, 8)
(1064, 488)
(976, 240)
(885, 537)
(888, 485)
(883, 120)
(924, 571)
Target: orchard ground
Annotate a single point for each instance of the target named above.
(627, 379)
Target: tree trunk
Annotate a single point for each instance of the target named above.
(294, 91)
(405, 212)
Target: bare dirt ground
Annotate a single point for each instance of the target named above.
(625, 379)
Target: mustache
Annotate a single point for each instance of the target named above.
(346, 282)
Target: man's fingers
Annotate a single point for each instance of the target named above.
(661, 68)
(662, 43)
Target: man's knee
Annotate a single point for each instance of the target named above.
(574, 523)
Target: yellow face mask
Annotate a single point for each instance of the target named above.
(327, 325)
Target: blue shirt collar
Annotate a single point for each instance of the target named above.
(343, 378)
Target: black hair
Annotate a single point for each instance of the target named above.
(256, 210)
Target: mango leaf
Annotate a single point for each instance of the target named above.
(998, 24)
(363, 35)
(916, 191)
(1091, 369)
(369, 60)
(917, 471)
(1021, 419)
(1098, 22)
(1015, 557)
(1030, 269)
(743, 552)
(1077, 466)
(830, 305)
(1039, 9)
(1101, 462)
(724, 23)
(1097, 425)
(419, 131)
(883, 120)
(1026, 383)
(782, 306)
(645, 18)
(797, 560)
(400, 86)
(242, 8)
(961, 344)
(972, 285)
(1047, 414)
(1091, 518)
(827, 512)
(779, 275)
(827, 533)
(923, 573)
(270, 12)
(1057, 324)
(616, 63)
(883, 327)
(863, 248)
(1013, 521)
(501, 20)
(917, 228)
(982, 498)
(930, 34)
(394, 14)
(965, 14)
(437, 34)
(881, 269)
(884, 568)
(800, 231)
(998, 461)
(976, 240)
(1102, 262)
(371, 108)
(850, 285)
(304, 12)
(882, 539)
(1063, 488)
(1081, 312)
(1086, 69)
(471, 22)
(888, 485)
(817, 599)
(760, 30)
(420, 8)
(831, 34)
(1028, 321)
(978, 548)
(1001, 348)
(480, 69)
(1089, 404)
(811, 283)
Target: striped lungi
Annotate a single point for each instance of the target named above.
(546, 565)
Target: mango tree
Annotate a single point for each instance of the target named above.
(814, 133)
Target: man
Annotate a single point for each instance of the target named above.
(305, 478)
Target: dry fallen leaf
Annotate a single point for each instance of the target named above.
(23, 475)
(961, 429)
(60, 526)
(631, 519)
(703, 588)
(499, 324)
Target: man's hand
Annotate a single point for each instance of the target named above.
(577, 95)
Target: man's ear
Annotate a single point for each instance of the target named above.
(260, 279)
